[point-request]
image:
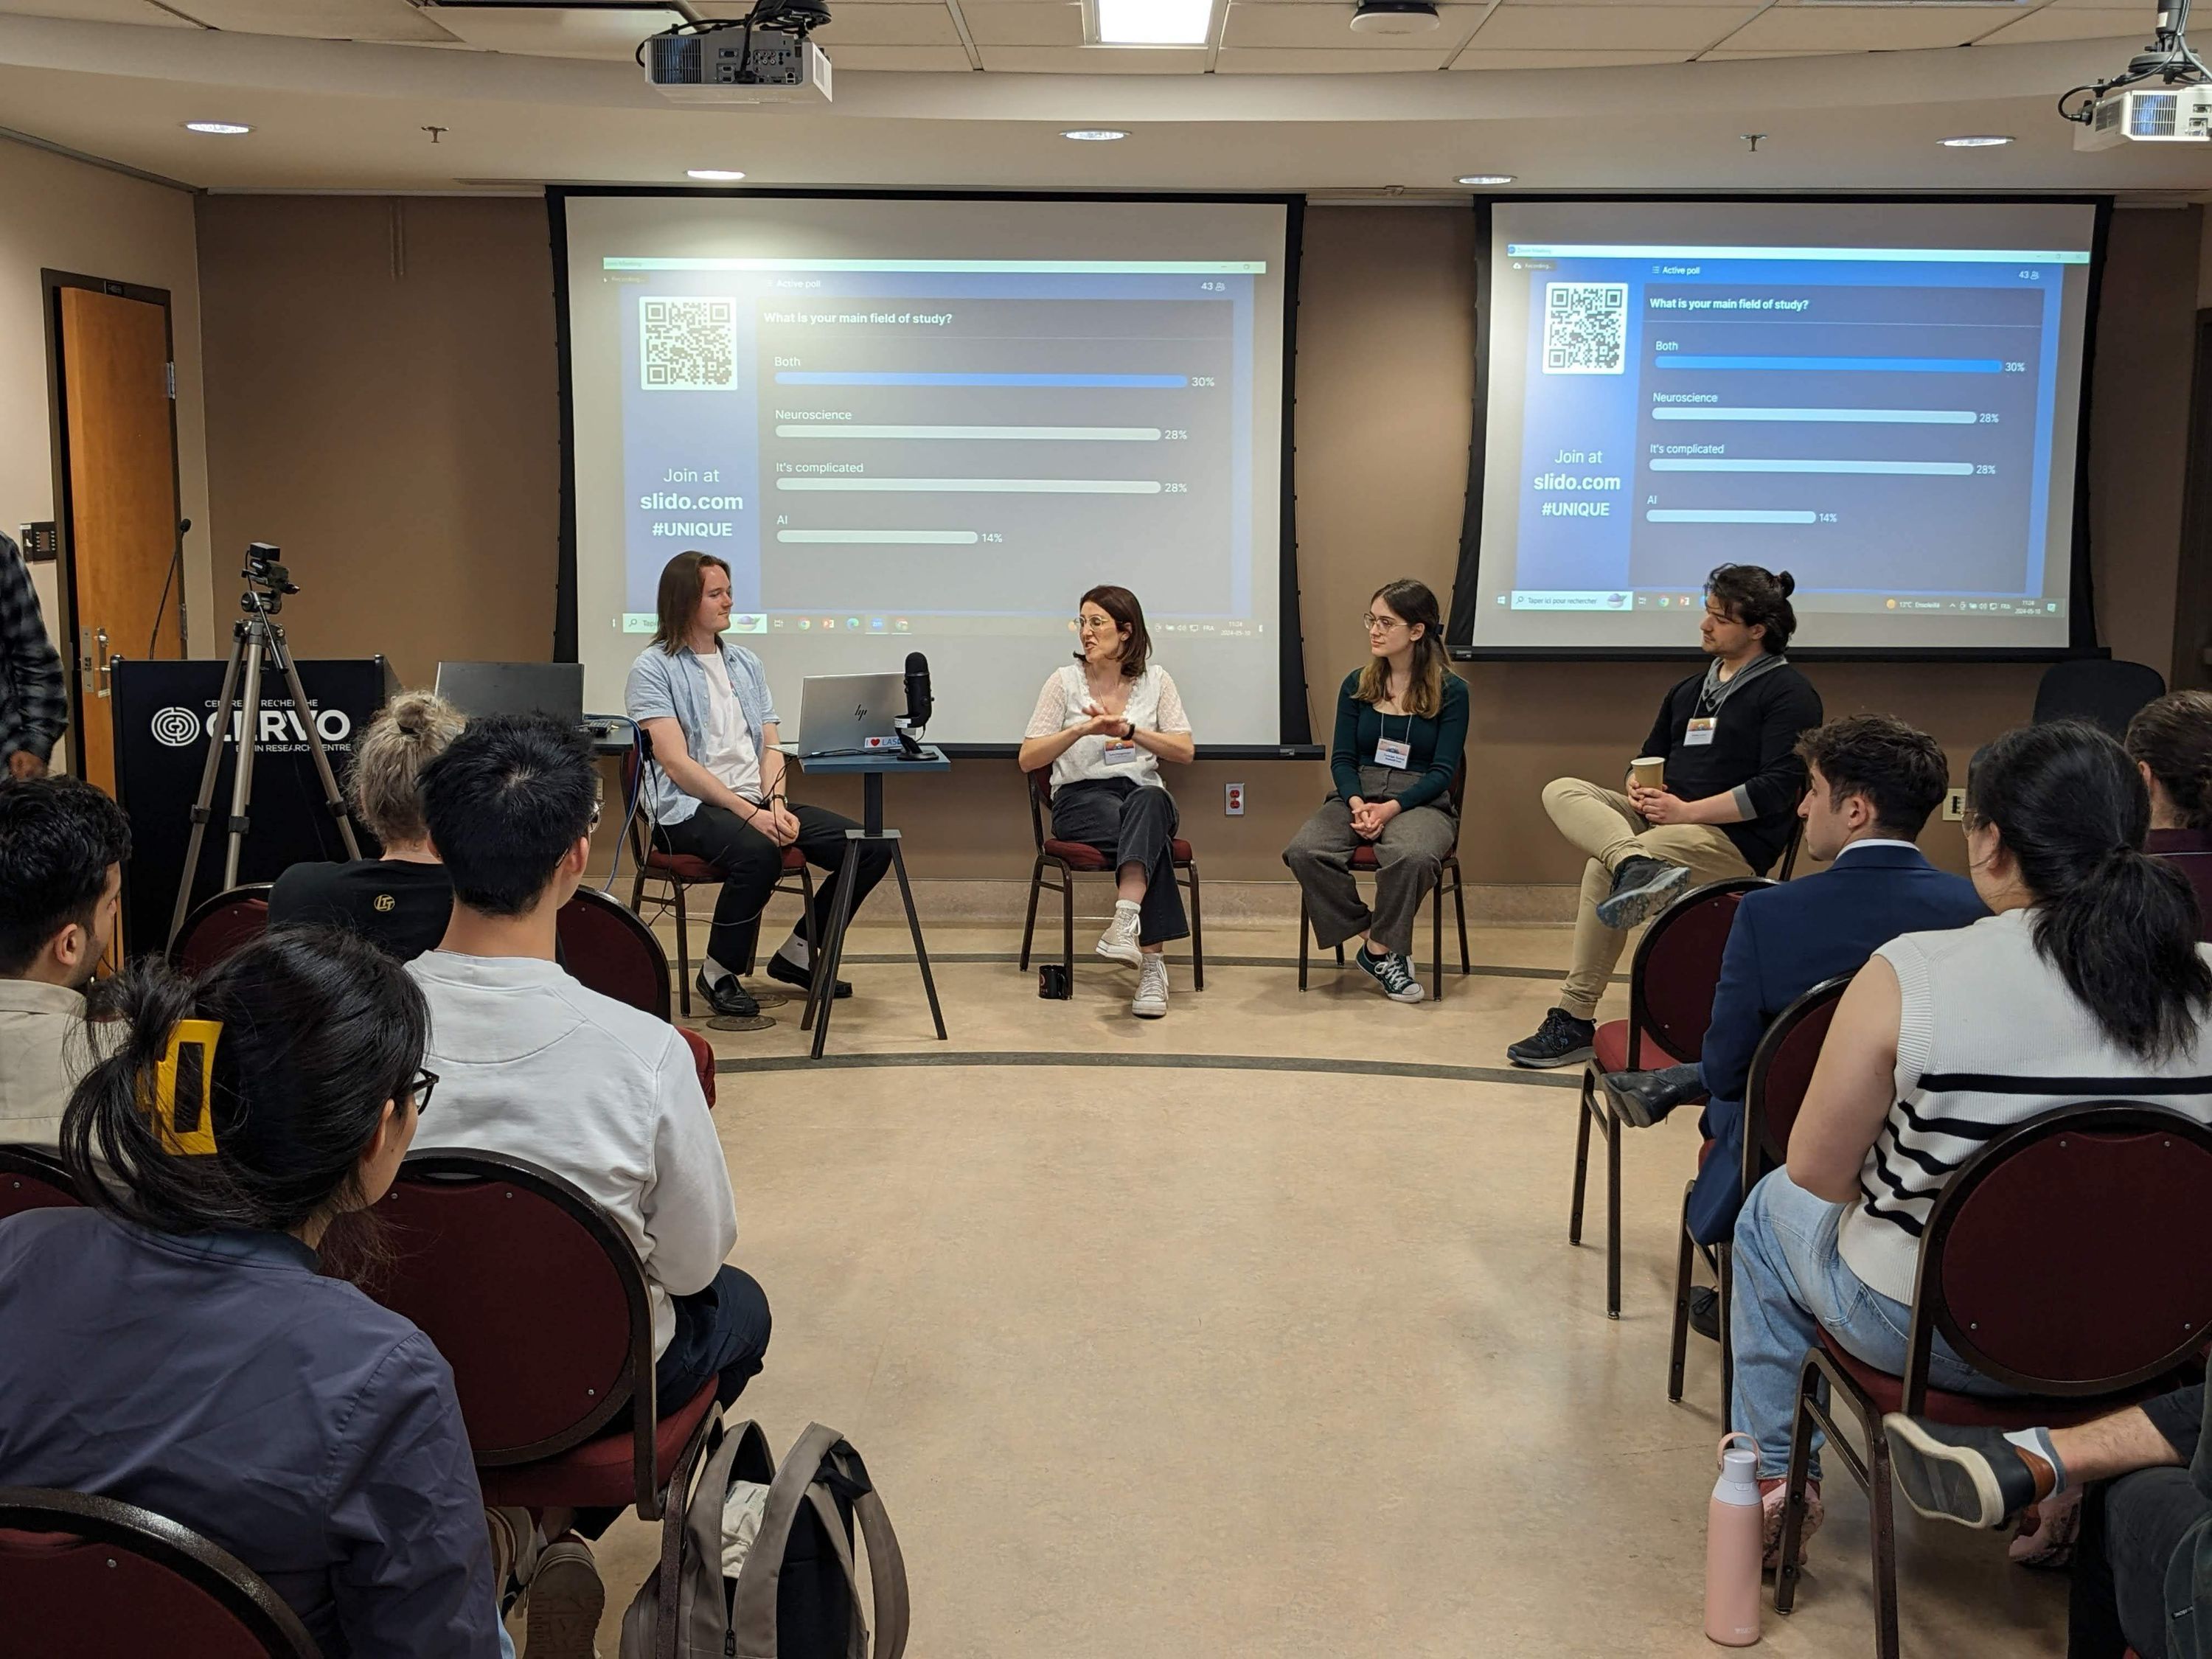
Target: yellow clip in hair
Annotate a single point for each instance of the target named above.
(184, 1117)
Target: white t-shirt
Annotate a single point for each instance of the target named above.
(1154, 703)
(730, 754)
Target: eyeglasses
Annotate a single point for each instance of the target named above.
(1097, 624)
(1374, 624)
(420, 1091)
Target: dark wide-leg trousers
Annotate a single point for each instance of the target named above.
(750, 864)
(2130, 1528)
(1132, 824)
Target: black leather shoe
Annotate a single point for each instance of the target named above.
(791, 972)
(726, 996)
(1705, 1312)
(1646, 1097)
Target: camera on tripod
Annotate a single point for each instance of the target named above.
(268, 581)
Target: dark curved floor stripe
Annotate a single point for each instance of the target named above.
(1564, 1078)
(1323, 962)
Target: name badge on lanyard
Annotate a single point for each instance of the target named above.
(1701, 732)
(1396, 756)
(1120, 751)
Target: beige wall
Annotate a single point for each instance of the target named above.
(407, 454)
(58, 213)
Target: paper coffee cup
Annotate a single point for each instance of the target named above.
(1649, 771)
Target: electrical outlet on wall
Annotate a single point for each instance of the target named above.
(1232, 804)
(1955, 804)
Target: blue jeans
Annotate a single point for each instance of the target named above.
(1790, 1285)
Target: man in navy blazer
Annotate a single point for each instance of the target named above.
(1873, 782)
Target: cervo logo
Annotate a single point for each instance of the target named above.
(179, 728)
(176, 728)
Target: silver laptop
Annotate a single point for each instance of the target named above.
(478, 689)
(850, 714)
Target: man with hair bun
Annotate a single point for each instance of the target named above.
(1732, 778)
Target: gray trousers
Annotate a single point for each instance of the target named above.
(1408, 858)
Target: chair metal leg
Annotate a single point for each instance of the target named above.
(1436, 939)
(1028, 928)
(1581, 1159)
(1684, 1249)
(1459, 904)
(683, 950)
(1305, 936)
(1067, 923)
(1793, 1504)
(1197, 933)
(1611, 1212)
(1724, 1273)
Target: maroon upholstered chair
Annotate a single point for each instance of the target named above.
(537, 1299)
(1363, 862)
(1072, 858)
(32, 1178)
(88, 1576)
(220, 925)
(610, 951)
(1671, 981)
(678, 871)
(1781, 1071)
(2066, 1261)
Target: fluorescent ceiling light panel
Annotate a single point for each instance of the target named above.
(1486, 178)
(1154, 22)
(1094, 135)
(1976, 141)
(714, 175)
(225, 128)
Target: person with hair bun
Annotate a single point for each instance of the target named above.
(186, 1346)
(1726, 804)
(401, 901)
(2089, 982)
(2170, 741)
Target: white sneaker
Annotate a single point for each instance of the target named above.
(1119, 942)
(1151, 1001)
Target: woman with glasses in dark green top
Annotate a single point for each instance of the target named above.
(1401, 732)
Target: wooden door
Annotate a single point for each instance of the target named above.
(117, 403)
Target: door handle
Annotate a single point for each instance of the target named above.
(104, 674)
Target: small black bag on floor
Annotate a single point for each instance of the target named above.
(787, 1533)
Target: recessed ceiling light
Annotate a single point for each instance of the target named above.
(712, 175)
(1394, 17)
(216, 126)
(1486, 178)
(1976, 141)
(1154, 22)
(1094, 135)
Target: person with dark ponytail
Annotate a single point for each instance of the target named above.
(2170, 741)
(182, 1345)
(2087, 982)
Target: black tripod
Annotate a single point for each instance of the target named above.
(256, 638)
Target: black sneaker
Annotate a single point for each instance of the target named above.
(1392, 973)
(1641, 889)
(726, 996)
(1973, 1477)
(1561, 1040)
(791, 972)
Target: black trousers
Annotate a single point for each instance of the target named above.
(750, 864)
(1132, 824)
(2130, 1528)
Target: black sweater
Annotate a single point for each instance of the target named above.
(1752, 754)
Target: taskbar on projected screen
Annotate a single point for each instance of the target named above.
(890, 625)
(1867, 605)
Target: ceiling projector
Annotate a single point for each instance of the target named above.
(2164, 96)
(763, 57)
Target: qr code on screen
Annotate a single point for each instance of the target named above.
(689, 346)
(1585, 328)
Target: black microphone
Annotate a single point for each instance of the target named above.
(919, 703)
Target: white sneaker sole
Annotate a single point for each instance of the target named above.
(1128, 955)
(1144, 1010)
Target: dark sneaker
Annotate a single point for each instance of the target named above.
(1561, 1040)
(1646, 1097)
(1642, 888)
(1393, 974)
(1973, 1477)
(1705, 1312)
(791, 972)
(726, 996)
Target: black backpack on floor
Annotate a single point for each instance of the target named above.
(797, 1596)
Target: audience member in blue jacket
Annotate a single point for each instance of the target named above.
(1873, 782)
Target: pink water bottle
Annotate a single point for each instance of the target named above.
(1734, 1543)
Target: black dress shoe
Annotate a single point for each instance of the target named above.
(791, 972)
(1705, 1312)
(1646, 1097)
(726, 996)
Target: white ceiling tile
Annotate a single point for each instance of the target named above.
(853, 24)
(1474, 58)
(1329, 29)
(1526, 27)
(2070, 24)
(97, 11)
(1023, 23)
(552, 32)
(1277, 60)
(2135, 6)
(1860, 28)
(325, 20)
(1095, 60)
(1733, 54)
(910, 59)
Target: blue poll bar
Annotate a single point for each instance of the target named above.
(869, 377)
(1869, 365)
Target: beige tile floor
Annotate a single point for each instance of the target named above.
(1187, 1361)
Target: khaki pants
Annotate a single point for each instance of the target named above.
(1603, 824)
